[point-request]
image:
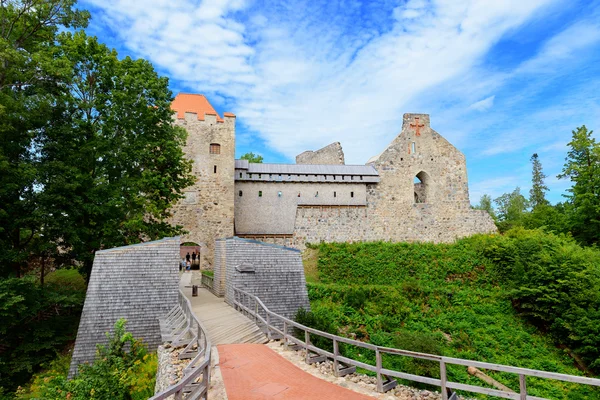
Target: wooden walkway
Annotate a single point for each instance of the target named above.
(224, 325)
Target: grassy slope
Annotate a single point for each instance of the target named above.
(376, 290)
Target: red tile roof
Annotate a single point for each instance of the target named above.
(194, 103)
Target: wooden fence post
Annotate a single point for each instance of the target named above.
(378, 366)
(306, 342)
(443, 379)
(336, 353)
(523, 387)
(268, 325)
(285, 340)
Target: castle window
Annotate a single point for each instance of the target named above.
(351, 194)
(260, 193)
(259, 176)
(270, 176)
(215, 148)
(317, 194)
(240, 193)
(361, 178)
(334, 194)
(351, 177)
(215, 169)
(298, 194)
(240, 175)
(413, 147)
(334, 177)
(421, 183)
(279, 194)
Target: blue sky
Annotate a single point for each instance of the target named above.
(501, 79)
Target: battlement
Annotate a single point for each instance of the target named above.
(196, 107)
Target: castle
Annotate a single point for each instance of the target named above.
(416, 189)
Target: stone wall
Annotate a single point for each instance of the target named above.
(138, 283)
(275, 211)
(273, 273)
(331, 154)
(207, 211)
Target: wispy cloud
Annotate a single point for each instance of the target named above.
(300, 75)
(310, 72)
(483, 105)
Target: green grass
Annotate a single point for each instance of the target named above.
(390, 294)
(208, 273)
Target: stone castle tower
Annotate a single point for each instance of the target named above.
(206, 212)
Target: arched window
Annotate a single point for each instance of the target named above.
(215, 148)
(422, 184)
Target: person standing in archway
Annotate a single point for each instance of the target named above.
(187, 257)
(194, 257)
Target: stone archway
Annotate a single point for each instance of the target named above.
(193, 250)
(422, 187)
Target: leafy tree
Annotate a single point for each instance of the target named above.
(582, 167)
(35, 322)
(112, 163)
(485, 203)
(511, 209)
(253, 158)
(537, 196)
(30, 80)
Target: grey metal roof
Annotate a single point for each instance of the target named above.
(314, 169)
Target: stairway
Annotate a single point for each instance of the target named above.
(223, 324)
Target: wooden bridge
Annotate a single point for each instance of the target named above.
(251, 371)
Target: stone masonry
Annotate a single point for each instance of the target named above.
(273, 273)
(331, 154)
(138, 283)
(206, 212)
(415, 190)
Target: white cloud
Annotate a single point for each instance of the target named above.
(298, 79)
(483, 105)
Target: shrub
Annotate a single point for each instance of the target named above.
(35, 324)
(123, 370)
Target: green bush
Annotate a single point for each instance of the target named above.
(35, 324)
(69, 279)
(474, 299)
(123, 370)
(555, 283)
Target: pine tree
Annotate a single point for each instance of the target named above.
(537, 196)
(582, 167)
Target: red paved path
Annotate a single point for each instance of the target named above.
(255, 372)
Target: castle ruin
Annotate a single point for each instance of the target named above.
(415, 190)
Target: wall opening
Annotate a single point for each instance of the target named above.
(422, 185)
(215, 169)
(215, 148)
(240, 193)
(260, 193)
(189, 251)
(413, 148)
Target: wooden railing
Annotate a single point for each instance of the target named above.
(208, 281)
(180, 327)
(278, 327)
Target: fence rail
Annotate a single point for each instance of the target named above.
(278, 326)
(207, 281)
(180, 327)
